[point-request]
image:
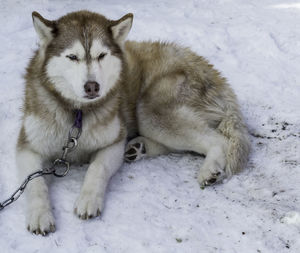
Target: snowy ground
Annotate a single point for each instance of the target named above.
(157, 205)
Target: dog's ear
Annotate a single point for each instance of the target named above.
(120, 28)
(43, 27)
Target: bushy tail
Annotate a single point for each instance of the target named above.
(233, 128)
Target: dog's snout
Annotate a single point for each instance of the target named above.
(92, 89)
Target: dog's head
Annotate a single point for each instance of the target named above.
(82, 53)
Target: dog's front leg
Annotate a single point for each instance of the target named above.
(103, 166)
(39, 216)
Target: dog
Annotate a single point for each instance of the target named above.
(138, 99)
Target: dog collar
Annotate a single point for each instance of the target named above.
(78, 119)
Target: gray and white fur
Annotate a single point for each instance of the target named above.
(161, 97)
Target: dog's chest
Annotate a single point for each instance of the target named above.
(48, 138)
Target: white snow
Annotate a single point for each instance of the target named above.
(156, 205)
(291, 218)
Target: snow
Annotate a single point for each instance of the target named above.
(156, 205)
(291, 218)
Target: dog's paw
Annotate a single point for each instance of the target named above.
(207, 177)
(88, 206)
(40, 221)
(134, 151)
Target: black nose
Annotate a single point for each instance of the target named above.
(91, 89)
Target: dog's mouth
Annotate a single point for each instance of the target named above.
(91, 96)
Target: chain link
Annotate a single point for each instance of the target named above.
(60, 167)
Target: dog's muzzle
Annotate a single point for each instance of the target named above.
(91, 89)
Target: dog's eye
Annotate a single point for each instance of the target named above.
(72, 57)
(101, 56)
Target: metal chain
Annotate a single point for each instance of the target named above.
(60, 167)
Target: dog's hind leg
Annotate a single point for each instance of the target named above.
(210, 143)
(39, 216)
(214, 146)
(141, 147)
(202, 140)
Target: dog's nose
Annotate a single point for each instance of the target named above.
(91, 89)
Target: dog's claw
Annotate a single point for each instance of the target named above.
(87, 208)
(38, 231)
(211, 181)
(83, 216)
(86, 216)
(209, 177)
(40, 222)
(52, 228)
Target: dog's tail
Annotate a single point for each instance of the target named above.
(238, 150)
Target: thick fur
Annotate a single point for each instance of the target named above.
(184, 104)
(162, 97)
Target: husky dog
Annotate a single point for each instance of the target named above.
(161, 97)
